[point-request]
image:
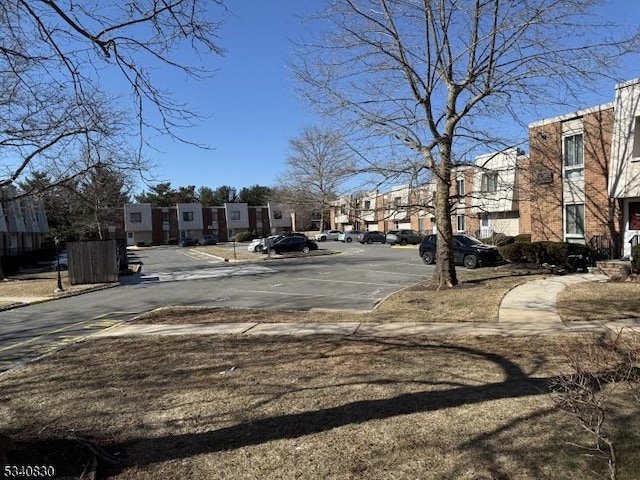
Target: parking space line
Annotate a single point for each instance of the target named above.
(347, 281)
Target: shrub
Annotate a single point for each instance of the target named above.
(635, 258)
(244, 236)
(523, 238)
(10, 265)
(172, 241)
(567, 255)
(140, 244)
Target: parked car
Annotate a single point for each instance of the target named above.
(61, 260)
(467, 251)
(403, 237)
(349, 236)
(371, 237)
(292, 243)
(328, 235)
(209, 240)
(187, 242)
(256, 245)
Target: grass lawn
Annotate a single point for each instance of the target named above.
(600, 301)
(285, 408)
(234, 407)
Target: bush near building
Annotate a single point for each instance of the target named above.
(635, 258)
(568, 255)
(245, 236)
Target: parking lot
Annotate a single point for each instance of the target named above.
(356, 278)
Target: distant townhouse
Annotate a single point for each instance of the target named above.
(23, 223)
(493, 194)
(145, 224)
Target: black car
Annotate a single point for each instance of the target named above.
(292, 243)
(187, 242)
(467, 251)
(209, 240)
(371, 237)
(402, 237)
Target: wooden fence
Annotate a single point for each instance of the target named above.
(93, 262)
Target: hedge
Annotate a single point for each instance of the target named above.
(570, 255)
(245, 236)
(523, 237)
(635, 258)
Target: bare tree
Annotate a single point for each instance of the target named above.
(318, 165)
(440, 77)
(603, 369)
(77, 75)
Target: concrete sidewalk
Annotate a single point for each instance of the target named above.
(529, 309)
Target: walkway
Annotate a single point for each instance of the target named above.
(529, 309)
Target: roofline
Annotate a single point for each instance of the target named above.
(569, 116)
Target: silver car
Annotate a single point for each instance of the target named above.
(328, 235)
(349, 237)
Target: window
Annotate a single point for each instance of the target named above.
(367, 204)
(460, 219)
(235, 214)
(277, 215)
(636, 138)
(573, 157)
(460, 190)
(187, 216)
(165, 216)
(489, 182)
(135, 217)
(574, 220)
(397, 201)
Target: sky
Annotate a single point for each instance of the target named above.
(253, 110)
(251, 105)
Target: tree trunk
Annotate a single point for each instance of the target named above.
(445, 272)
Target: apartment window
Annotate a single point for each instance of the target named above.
(367, 204)
(277, 215)
(460, 190)
(489, 182)
(187, 216)
(636, 139)
(165, 216)
(235, 214)
(460, 222)
(397, 201)
(574, 220)
(166, 235)
(573, 157)
(135, 217)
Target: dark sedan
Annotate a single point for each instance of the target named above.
(292, 244)
(371, 237)
(467, 251)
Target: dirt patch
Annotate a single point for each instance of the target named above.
(341, 408)
(40, 285)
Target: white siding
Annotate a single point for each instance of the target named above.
(140, 211)
(237, 215)
(624, 172)
(279, 216)
(503, 164)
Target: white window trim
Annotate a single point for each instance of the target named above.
(566, 170)
(573, 236)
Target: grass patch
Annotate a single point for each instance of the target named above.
(600, 301)
(38, 285)
(340, 408)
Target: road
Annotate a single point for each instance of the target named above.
(357, 278)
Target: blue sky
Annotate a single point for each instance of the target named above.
(252, 107)
(253, 110)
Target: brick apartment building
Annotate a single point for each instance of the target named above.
(148, 225)
(580, 182)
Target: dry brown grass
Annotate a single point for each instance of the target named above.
(38, 285)
(340, 408)
(600, 301)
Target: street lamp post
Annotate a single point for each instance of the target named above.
(59, 288)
